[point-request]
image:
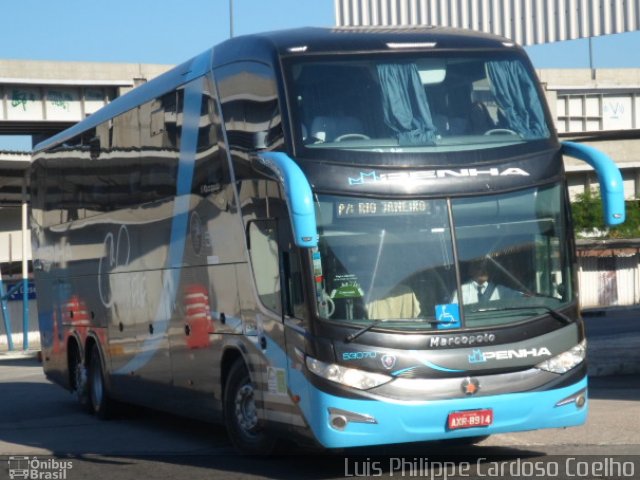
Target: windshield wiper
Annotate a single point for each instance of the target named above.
(376, 323)
(554, 313)
(351, 337)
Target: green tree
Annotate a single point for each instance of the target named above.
(588, 222)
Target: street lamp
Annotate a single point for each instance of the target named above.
(230, 18)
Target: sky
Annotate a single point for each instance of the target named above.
(170, 32)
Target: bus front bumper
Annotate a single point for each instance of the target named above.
(339, 422)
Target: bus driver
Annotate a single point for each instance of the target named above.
(480, 289)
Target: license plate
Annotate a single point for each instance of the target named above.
(470, 419)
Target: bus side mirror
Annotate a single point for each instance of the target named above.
(297, 190)
(609, 177)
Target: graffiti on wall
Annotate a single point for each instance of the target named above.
(20, 98)
(59, 99)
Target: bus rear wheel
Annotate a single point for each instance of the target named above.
(78, 377)
(244, 428)
(99, 402)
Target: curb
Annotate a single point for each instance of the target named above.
(604, 311)
(19, 355)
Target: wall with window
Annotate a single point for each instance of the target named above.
(609, 276)
(600, 108)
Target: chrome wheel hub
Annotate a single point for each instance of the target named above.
(245, 410)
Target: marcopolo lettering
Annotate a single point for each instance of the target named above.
(462, 340)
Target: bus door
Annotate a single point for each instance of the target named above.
(266, 238)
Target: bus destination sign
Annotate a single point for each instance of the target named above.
(376, 208)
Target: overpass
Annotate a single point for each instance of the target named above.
(41, 97)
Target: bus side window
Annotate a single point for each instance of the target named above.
(160, 130)
(249, 102)
(211, 172)
(263, 251)
(293, 273)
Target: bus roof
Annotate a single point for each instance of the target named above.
(268, 47)
(355, 39)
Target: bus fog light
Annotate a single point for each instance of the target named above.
(339, 422)
(339, 418)
(565, 361)
(579, 399)
(350, 377)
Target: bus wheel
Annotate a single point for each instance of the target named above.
(241, 415)
(78, 377)
(99, 401)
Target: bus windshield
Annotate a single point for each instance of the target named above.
(394, 261)
(435, 102)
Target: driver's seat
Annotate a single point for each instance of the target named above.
(327, 129)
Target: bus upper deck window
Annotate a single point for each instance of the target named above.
(407, 102)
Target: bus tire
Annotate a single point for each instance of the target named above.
(78, 377)
(99, 402)
(244, 428)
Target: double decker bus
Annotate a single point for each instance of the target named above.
(284, 232)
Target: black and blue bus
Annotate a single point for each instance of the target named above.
(355, 236)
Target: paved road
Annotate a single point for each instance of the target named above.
(38, 419)
(613, 337)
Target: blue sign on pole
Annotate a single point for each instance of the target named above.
(17, 293)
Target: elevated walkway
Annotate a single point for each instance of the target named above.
(42, 98)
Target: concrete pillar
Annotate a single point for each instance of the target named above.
(25, 265)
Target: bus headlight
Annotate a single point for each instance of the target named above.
(350, 377)
(565, 361)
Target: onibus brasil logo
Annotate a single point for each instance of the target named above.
(36, 469)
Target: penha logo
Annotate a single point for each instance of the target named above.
(424, 176)
(478, 356)
(371, 177)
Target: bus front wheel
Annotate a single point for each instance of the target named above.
(244, 428)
